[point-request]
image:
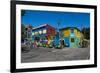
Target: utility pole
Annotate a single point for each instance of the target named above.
(58, 29)
(59, 22)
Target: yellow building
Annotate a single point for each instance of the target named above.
(72, 36)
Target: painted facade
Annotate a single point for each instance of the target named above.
(72, 36)
(48, 35)
(43, 34)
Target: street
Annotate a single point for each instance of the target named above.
(51, 54)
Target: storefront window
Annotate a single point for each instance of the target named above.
(44, 31)
(33, 33)
(36, 33)
(40, 32)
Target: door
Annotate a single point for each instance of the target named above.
(62, 43)
(72, 42)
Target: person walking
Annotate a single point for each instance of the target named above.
(35, 44)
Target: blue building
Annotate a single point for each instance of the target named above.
(72, 36)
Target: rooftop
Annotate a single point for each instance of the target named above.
(70, 28)
(41, 26)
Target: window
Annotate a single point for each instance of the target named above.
(33, 33)
(72, 30)
(44, 31)
(36, 33)
(40, 32)
(72, 39)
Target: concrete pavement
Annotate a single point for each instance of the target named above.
(50, 54)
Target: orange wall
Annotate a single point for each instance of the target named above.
(67, 33)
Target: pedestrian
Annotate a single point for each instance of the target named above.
(35, 44)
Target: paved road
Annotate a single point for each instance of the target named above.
(49, 54)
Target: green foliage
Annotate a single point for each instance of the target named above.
(23, 32)
(50, 46)
(22, 12)
(58, 46)
(86, 33)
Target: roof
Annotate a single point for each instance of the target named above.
(70, 28)
(42, 26)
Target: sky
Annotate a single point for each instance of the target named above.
(66, 19)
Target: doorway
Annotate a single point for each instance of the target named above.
(72, 42)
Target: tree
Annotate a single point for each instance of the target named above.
(23, 12)
(86, 33)
(23, 32)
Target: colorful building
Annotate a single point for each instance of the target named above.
(47, 35)
(43, 34)
(72, 36)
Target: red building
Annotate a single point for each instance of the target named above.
(44, 32)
